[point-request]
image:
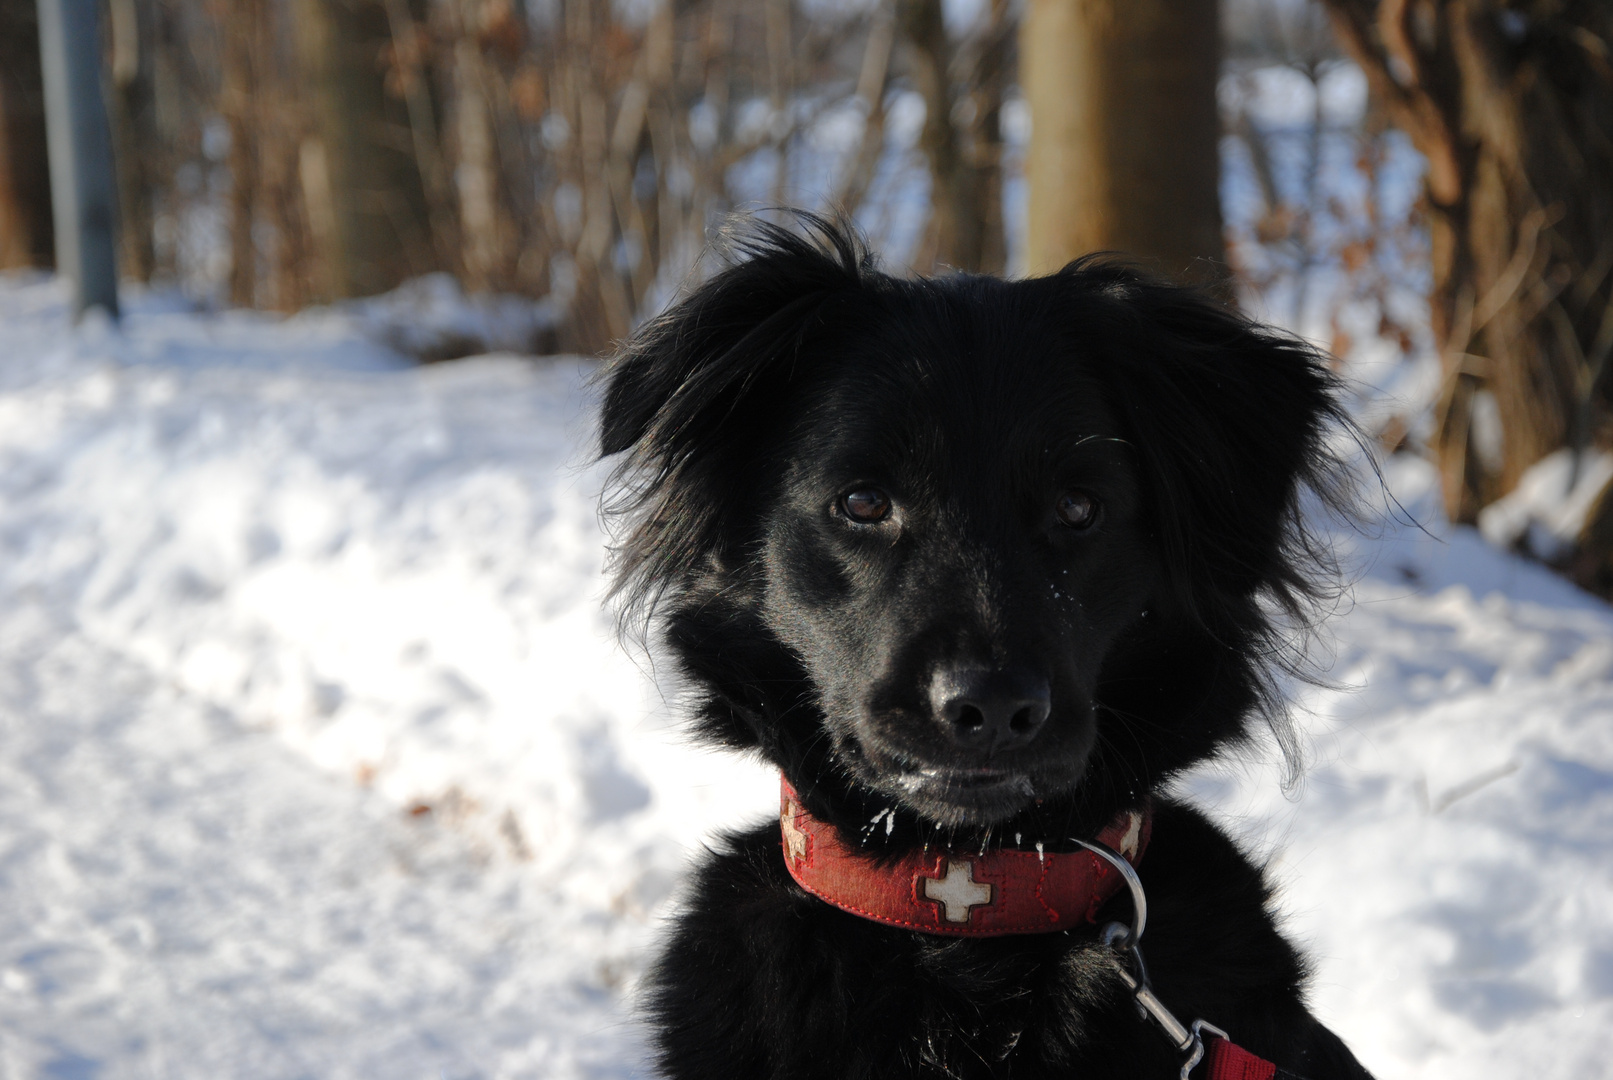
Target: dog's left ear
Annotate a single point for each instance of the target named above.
(691, 397)
(1231, 421)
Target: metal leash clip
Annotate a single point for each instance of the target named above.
(1126, 941)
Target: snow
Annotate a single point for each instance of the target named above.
(1548, 510)
(1447, 861)
(318, 756)
(259, 617)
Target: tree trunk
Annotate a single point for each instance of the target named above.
(1124, 132)
(960, 138)
(285, 274)
(366, 203)
(132, 104)
(1515, 115)
(476, 170)
(243, 55)
(27, 237)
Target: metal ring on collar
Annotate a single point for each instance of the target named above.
(1139, 902)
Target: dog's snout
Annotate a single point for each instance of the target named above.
(990, 711)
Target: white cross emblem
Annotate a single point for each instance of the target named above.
(1128, 843)
(795, 841)
(958, 892)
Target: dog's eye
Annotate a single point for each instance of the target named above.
(866, 505)
(1077, 509)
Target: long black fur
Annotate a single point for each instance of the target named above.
(744, 416)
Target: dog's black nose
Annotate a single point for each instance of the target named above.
(985, 710)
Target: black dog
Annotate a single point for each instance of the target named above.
(979, 565)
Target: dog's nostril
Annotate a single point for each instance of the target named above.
(1026, 720)
(968, 716)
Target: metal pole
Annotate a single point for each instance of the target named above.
(82, 183)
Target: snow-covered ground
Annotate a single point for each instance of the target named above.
(318, 757)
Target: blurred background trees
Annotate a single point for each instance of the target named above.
(277, 153)
(27, 237)
(1512, 106)
(1426, 186)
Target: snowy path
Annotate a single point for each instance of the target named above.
(186, 897)
(266, 596)
(317, 758)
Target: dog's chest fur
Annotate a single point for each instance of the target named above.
(762, 980)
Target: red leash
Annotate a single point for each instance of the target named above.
(1228, 1061)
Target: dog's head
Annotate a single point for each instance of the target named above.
(986, 551)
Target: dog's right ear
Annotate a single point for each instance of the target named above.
(690, 397)
(702, 353)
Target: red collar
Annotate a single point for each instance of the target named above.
(960, 894)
